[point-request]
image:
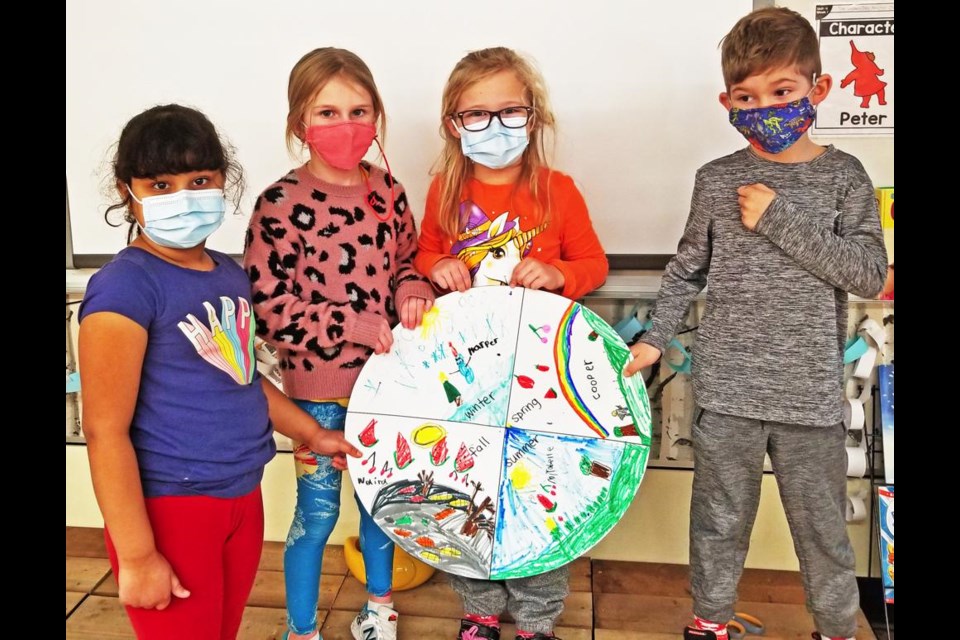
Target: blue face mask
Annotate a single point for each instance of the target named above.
(496, 146)
(774, 129)
(184, 219)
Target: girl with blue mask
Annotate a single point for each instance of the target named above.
(178, 421)
(174, 175)
(497, 214)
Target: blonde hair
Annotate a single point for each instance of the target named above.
(766, 39)
(308, 77)
(453, 168)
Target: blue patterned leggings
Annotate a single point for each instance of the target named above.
(316, 514)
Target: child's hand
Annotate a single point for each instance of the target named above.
(332, 443)
(384, 337)
(149, 583)
(451, 274)
(533, 274)
(412, 310)
(644, 355)
(754, 200)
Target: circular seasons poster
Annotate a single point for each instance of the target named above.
(500, 438)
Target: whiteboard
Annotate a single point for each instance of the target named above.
(634, 87)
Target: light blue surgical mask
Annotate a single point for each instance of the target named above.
(184, 219)
(496, 146)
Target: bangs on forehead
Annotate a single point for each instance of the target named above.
(353, 81)
(172, 156)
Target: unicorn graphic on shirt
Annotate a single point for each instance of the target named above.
(491, 249)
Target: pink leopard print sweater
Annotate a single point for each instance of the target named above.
(323, 269)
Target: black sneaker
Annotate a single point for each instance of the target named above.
(692, 633)
(470, 630)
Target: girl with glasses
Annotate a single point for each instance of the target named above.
(496, 214)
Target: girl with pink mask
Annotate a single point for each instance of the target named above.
(330, 253)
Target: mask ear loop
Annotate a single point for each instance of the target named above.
(130, 191)
(370, 193)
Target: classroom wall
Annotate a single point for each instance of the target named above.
(633, 88)
(632, 134)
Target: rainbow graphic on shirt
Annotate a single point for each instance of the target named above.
(225, 342)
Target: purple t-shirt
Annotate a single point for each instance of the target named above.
(200, 426)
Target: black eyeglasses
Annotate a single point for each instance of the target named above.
(480, 119)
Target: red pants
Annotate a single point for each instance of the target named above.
(213, 546)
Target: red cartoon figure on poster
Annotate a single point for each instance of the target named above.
(865, 77)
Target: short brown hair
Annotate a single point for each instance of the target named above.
(768, 38)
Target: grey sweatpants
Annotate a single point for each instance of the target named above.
(810, 466)
(534, 602)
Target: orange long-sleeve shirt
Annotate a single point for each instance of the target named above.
(567, 241)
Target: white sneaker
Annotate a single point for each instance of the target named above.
(375, 625)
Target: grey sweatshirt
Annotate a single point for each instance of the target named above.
(770, 344)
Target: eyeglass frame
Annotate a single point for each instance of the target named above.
(459, 116)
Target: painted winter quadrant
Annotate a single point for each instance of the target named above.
(567, 377)
(431, 486)
(455, 366)
(500, 439)
(560, 495)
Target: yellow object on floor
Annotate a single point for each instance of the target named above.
(744, 624)
(408, 572)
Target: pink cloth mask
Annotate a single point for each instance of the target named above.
(343, 145)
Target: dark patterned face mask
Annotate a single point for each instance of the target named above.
(774, 129)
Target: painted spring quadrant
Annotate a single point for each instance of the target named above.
(500, 438)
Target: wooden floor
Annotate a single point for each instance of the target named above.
(608, 600)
